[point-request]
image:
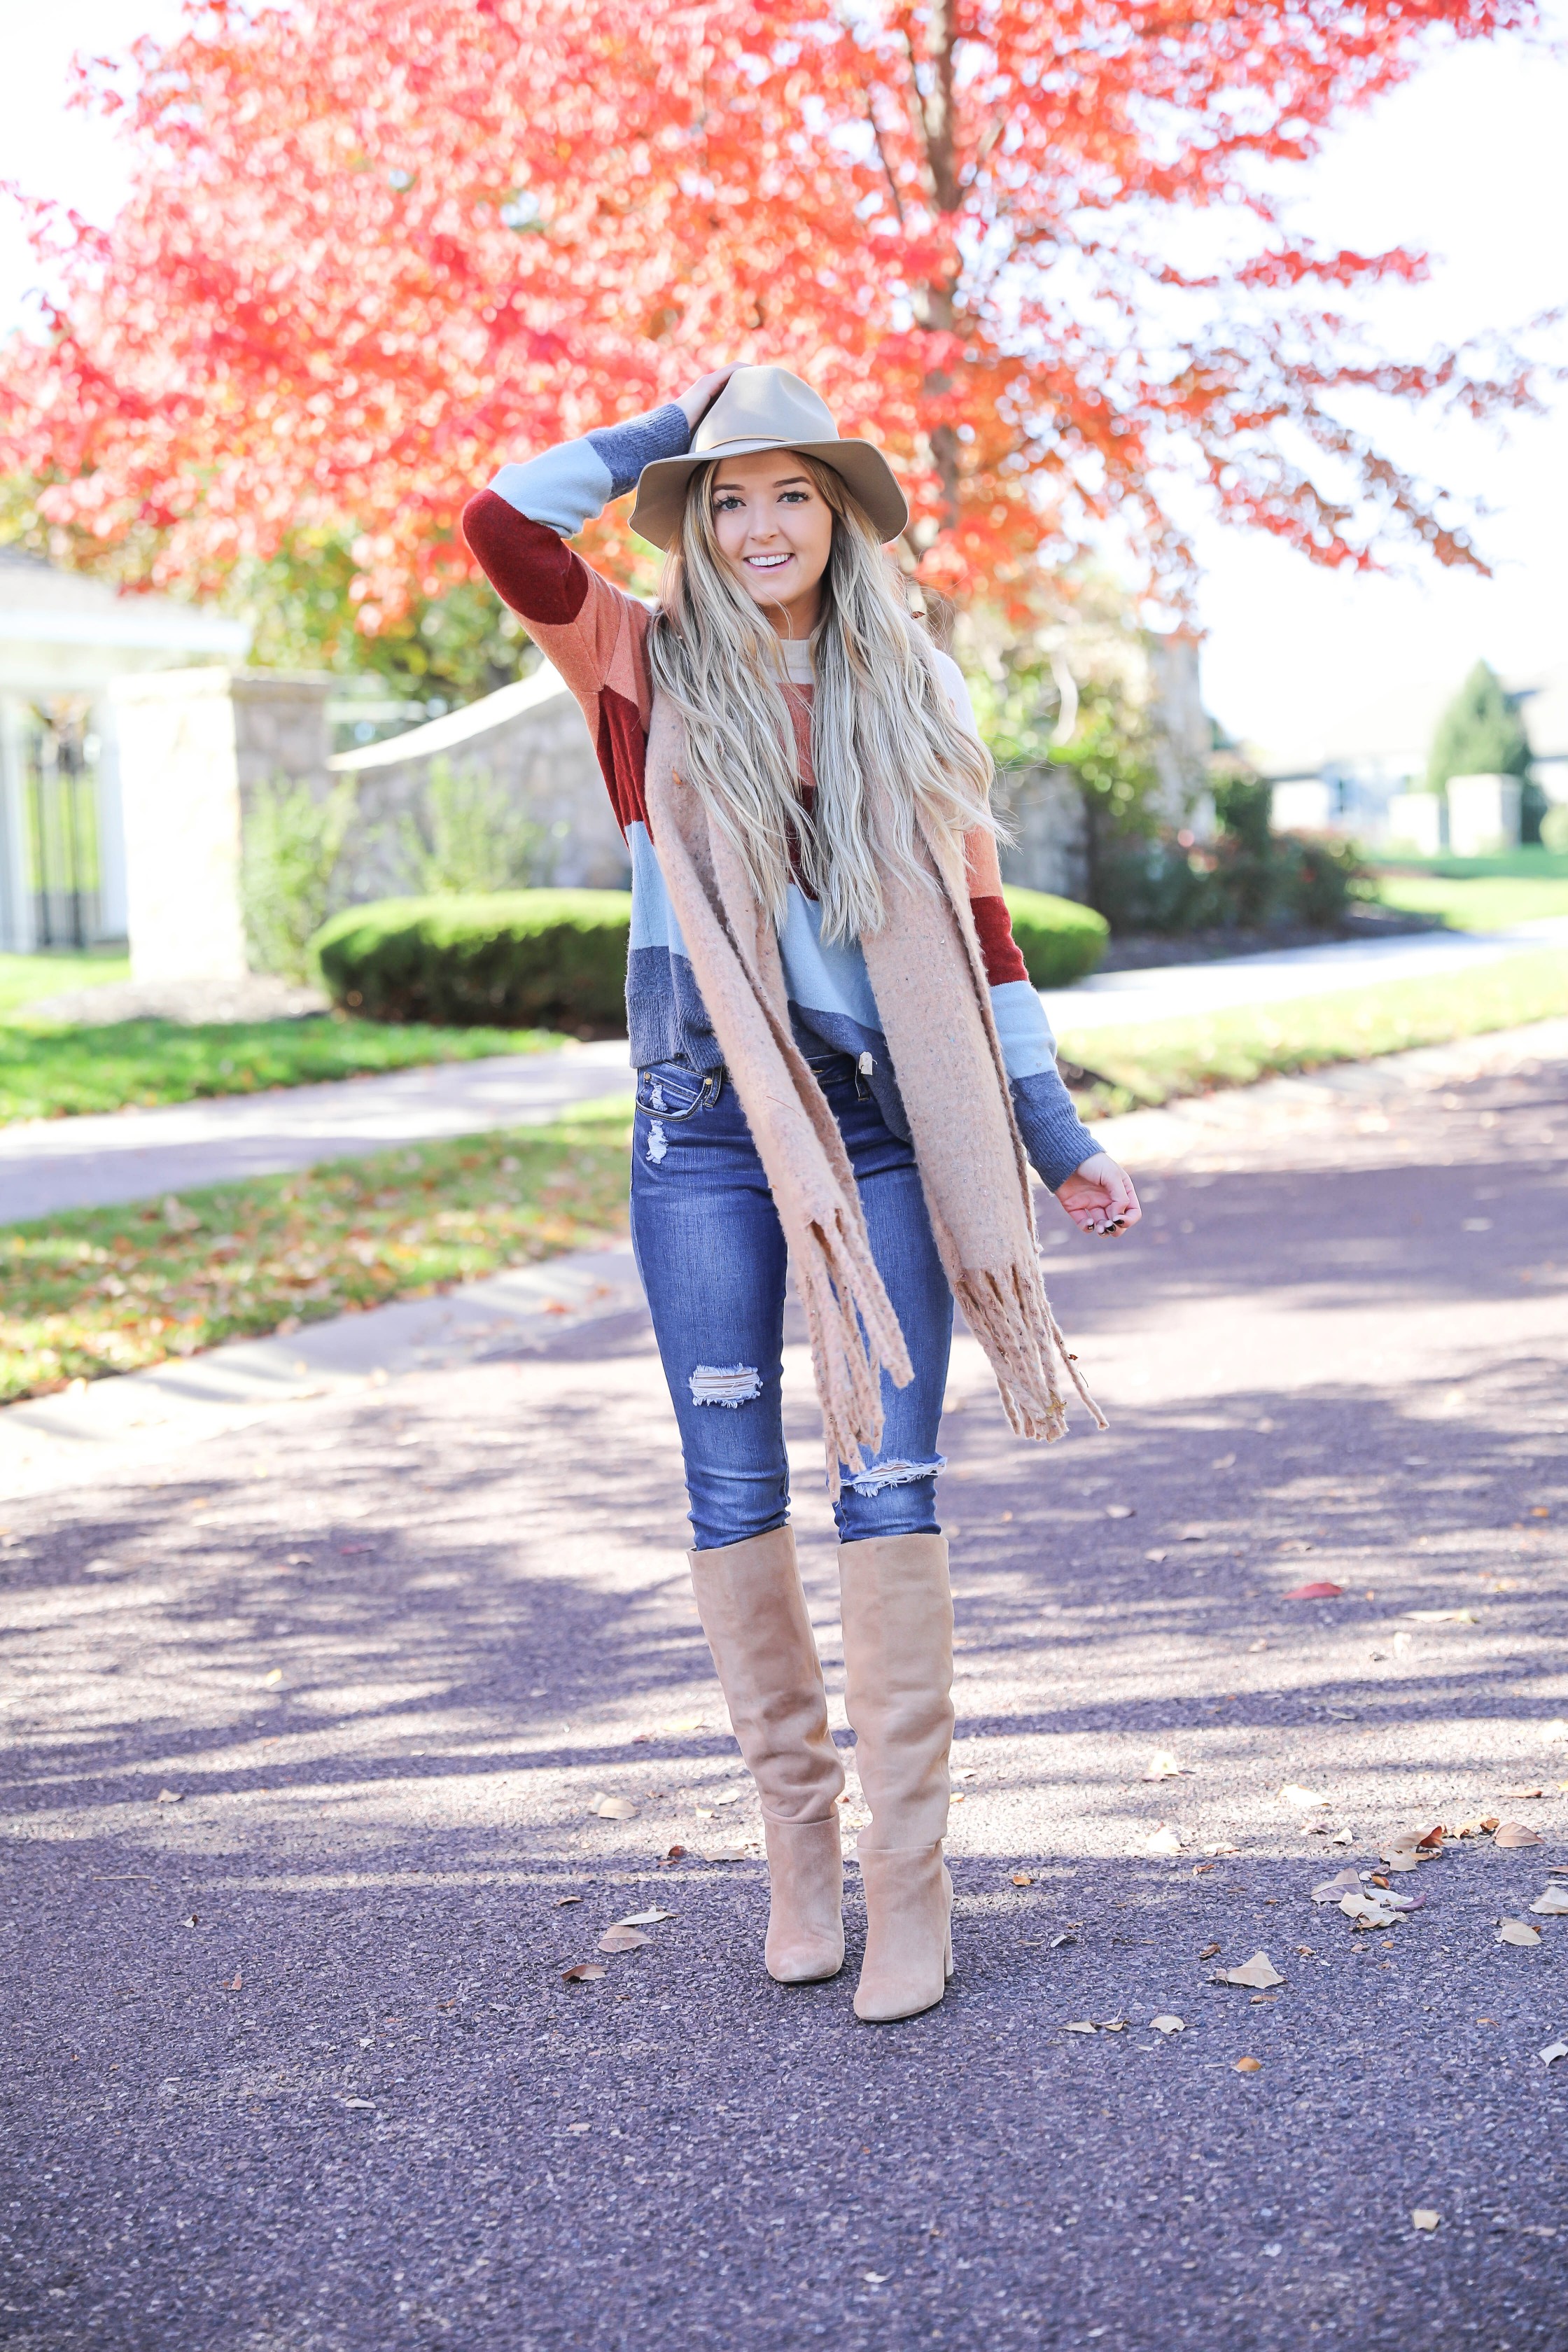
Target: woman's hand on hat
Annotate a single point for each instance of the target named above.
(699, 398)
(1099, 1198)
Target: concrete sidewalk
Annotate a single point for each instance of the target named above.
(1173, 992)
(48, 1165)
(51, 1165)
(307, 1726)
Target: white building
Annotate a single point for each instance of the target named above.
(63, 639)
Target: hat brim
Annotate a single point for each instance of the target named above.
(662, 486)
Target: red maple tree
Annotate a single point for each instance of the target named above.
(376, 246)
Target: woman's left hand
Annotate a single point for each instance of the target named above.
(1099, 1198)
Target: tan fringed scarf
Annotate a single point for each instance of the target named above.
(935, 1005)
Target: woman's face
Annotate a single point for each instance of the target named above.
(774, 530)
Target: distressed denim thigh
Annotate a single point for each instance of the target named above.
(711, 1252)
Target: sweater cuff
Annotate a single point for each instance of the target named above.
(1055, 1137)
(626, 450)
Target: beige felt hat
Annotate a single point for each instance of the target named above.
(767, 408)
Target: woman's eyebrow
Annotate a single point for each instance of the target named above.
(785, 482)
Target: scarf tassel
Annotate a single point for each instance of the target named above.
(854, 1335)
(1005, 1313)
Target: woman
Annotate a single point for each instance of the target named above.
(841, 1063)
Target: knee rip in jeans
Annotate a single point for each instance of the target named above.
(876, 1475)
(728, 1384)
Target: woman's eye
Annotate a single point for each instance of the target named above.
(725, 506)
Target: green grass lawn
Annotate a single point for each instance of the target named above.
(107, 1290)
(1160, 1060)
(46, 1072)
(24, 978)
(1470, 901)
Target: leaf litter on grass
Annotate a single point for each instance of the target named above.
(94, 1292)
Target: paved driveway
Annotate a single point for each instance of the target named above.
(307, 1723)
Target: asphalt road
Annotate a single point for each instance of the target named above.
(290, 2065)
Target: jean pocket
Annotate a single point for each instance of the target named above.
(667, 1090)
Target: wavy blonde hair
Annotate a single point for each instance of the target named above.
(883, 732)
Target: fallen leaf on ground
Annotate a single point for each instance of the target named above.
(1208, 1951)
(274, 1679)
(1058, 1941)
(685, 1723)
(170, 1797)
(1551, 1903)
(643, 1919)
(1120, 1511)
(1553, 2051)
(1293, 1794)
(1168, 2024)
(1157, 1557)
(583, 1973)
(728, 1796)
(612, 1809)
(876, 2278)
(1477, 1828)
(1442, 1616)
(1249, 2065)
(1344, 1881)
(621, 1940)
(1518, 1931)
(1322, 1591)
(1520, 1795)
(1164, 1767)
(1424, 2218)
(1257, 1974)
(1022, 1878)
(1223, 1462)
(562, 1901)
(1433, 1840)
(1081, 2025)
(724, 1854)
(1366, 1911)
(674, 1854)
(1165, 1839)
(1342, 1837)
(1222, 1849)
(1113, 2025)
(236, 1985)
(1515, 1833)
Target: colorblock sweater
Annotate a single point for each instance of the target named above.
(596, 637)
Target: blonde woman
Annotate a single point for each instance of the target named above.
(841, 1066)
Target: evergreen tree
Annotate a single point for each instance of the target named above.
(1479, 734)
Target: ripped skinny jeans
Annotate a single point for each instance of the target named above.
(711, 1252)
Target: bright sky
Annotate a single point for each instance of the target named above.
(1469, 160)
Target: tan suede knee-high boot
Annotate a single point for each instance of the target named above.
(898, 1663)
(753, 1613)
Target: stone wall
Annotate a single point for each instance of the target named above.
(531, 739)
(1043, 809)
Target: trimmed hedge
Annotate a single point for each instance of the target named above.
(1059, 940)
(509, 959)
(557, 959)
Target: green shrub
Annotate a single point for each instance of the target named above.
(469, 837)
(292, 844)
(1059, 940)
(515, 959)
(1554, 828)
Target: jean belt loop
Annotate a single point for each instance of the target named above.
(715, 1084)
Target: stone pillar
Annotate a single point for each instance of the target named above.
(191, 744)
(1483, 815)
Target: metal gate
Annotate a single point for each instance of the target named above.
(61, 761)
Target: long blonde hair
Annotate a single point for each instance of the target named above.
(883, 732)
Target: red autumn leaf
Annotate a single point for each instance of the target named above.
(1322, 1592)
(375, 246)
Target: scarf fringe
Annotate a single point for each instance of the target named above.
(1005, 1312)
(854, 1335)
